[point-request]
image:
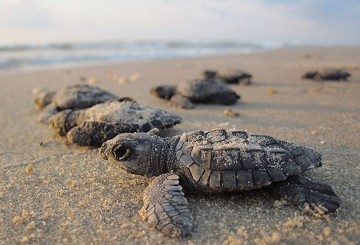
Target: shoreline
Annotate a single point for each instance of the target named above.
(72, 196)
(95, 64)
(101, 64)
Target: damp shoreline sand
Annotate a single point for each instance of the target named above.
(55, 193)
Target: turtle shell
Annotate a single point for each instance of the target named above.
(235, 77)
(204, 90)
(225, 160)
(128, 112)
(327, 74)
(101, 122)
(81, 96)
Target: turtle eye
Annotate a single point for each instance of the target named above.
(121, 152)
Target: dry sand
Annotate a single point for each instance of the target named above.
(55, 193)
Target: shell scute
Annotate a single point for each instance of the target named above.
(202, 156)
(179, 146)
(183, 138)
(226, 159)
(276, 174)
(253, 159)
(229, 180)
(244, 179)
(195, 135)
(204, 181)
(240, 134)
(215, 180)
(277, 157)
(178, 154)
(264, 140)
(304, 162)
(291, 168)
(260, 178)
(216, 135)
(186, 160)
(196, 172)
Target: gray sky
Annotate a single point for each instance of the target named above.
(291, 21)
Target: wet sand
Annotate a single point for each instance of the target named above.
(52, 192)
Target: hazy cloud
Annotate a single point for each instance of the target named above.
(25, 14)
(306, 21)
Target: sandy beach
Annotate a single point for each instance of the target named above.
(52, 192)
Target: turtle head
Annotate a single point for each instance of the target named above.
(163, 91)
(131, 152)
(42, 97)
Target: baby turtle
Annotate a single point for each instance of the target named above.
(196, 91)
(230, 76)
(99, 123)
(213, 162)
(327, 74)
(77, 96)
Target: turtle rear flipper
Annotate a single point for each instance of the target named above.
(166, 208)
(309, 75)
(302, 191)
(227, 98)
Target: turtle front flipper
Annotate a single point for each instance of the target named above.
(63, 121)
(302, 191)
(94, 133)
(47, 112)
(181, 101)
(166, 208)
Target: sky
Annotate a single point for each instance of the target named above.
(325, 22)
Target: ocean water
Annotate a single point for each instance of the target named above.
(13, 57)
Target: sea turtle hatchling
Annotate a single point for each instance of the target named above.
(230, 76)
(94, 125)
(328, 74)
(196, 91)
(212, 162)
(77, 96)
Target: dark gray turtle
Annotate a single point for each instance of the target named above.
(212, 162)
(94, 125)
(72, 97)
(327, 74)
(196, 91)
(230, 76)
